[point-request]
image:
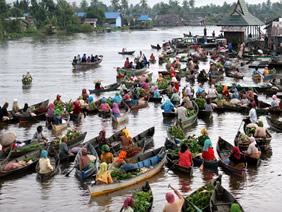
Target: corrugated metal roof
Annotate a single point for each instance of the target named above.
(144, 18)
(112, 15)
(241, 17)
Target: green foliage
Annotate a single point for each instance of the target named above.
(86, 28)
(59, 106)
(142, 201)
(120, 174)
(219, 89)
(163, 84)
(73, 28)
(69, 106)
(200, 102)
(250, 131)
(191, 112)
(30, 147)
(193, 145)
(28, 159)
(72, 134)
(176, 131)
(12, 26)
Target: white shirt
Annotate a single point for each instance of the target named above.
(252, 149)
(253, 115)
(181, 112)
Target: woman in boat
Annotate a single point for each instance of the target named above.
(82, 103)
(275, 103)
(50, 113)
(236, 94)
(115, 110)
(102, 140)
(57, 119)
(203, 137)
(120, 161)
(175, 96)
(260, 130)
(156, 92)
(126, 96)
(256, 71)
(135, 96)
(106, 155)
(44, 163)
(117, 98)
(125, 138)
(212, 92)
(185, 156)
(188, 90)
(38, 135)
(208, 105)
(244, 101)
(219, 101)
(250, 93)
(143, 79)
(253, 150)
(225, 92)
(15, 107)
(26, 111)
(6, 115)
(130, 66)
(172, 204)
(126, 63)
(58, 100)
(84, 94)
(236, 159)
(187, 101)
(168, 107)
(76, 108)
(208, 153)
(128, 205)
(160, 78)
(98, 85)
(265, 72)
(200, 90)
(146, 85)
(152, 57)
(181, 112)
(175, 83)
(104, 107)
(103, 176)
(64, 148)
(252, 114)
(91, 103)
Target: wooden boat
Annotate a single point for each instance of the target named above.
(224, 150)
(124, 110)
(34, 154)
(127, 52)
(26, 83)
(270, 76)
(156, 47)
(256, 76)
(104, 115)
(55, 162)
(276, 124)
(57, 129)
(155, 158)
(142, 103)
(217, 76)
(234, 75)
(173, 165)
(154, 99)
(261, 88)
(153, 61)
(111, 87)
(70, 143)
(187, 122)
(84, 66)
(250, 161)
(76, 117)
(82, 175)
(202, 114)
(146, 188)
(122, 71)
(221, 200)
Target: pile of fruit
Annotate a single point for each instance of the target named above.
(132, 150)
(163, 84)
(200, 102)
(176, 131)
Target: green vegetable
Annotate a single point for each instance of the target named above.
(191, 112)
(163, 84)
(109, 102)
(31, 147)
(219, 89)
(176, 131)
(120, 174)
(142, 201)
(69, 106)
(200, 102)
(193, 145)
(28, 159)
(59, 106)
(250, 131)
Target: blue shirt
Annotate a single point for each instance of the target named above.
(117, 99)
(167, 107)
(256, 72)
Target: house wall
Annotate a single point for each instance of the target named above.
(119, 21)
(234, 35)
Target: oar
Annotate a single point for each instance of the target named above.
(169, 168)
(35, 119)
(240, 126)
(194, 206)
(67, 174)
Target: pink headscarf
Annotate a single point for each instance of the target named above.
(155, 88)
(127, 203)
(265, 68)
(170, 197)
(252, 139)
(274, 97)
(115, 108)
(51, 105)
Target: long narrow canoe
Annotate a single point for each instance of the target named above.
(111, 87)
(202, 114)
(187, 122)
(84, 66)
(124, 110)
(155, 47)
(127, 52)
(122, 71)
(57, 129)
(221, 200)
(155, 158)
(224, 150)
(173, 165)
(142, 103)
(34, 154)
(276, 124)
(82, 175)
(16, 152)
(70, 143)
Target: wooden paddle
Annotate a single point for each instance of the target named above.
(67, 174)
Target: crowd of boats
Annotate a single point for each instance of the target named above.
(120, 160)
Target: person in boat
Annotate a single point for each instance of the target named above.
(74, 61)
(83, 59)
(175, 96)
(175, 83)
(146, 84)
(152, 57)
(104, 107)
(50, 113)
(253, 150)
(145, 61)
(102, 140)
(125, 138)
(84, 161)
(58, 100)
(78, 58)
(265, 72)
(260, 130)
(139, 65)
(92, 58)
(128, 205)
(208, 153)
(126, 63)
(225, 92)
(76, 108)
(203, 137)
(275, 103)
(168, 107)
(44, 163)
(84, 94)
(117, 98)
(57, 119)
(106, 155)
(115, 110)
(208, 105)
(98, 85)
(188, 90)
(126, 96)
(236, 159)
(160, 78)
(38, 135)
(143, 78)
(120, 161)
(187, 101)
(185, 156)
(130, 65)
(236, 94)
(200, 90)
(252, 114)
(256, 71)
(181, 112)
(103, 176)
(135, 96)
(202, 75)
(96, 58)
(28, 76)
(230, 47)
(212, 92)
(244, 101)
(15, 107)
(64, 148)
(5, 112)
(91, 103)
(220, 102)
(172, 204)
(156, 92)
(82, 103)
(27, 111)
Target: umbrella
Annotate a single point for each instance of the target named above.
(8, 138)
(98, 80)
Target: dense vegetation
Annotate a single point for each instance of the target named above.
(61, 14)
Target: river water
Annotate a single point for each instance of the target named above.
(49, 61)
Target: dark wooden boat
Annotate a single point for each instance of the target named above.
(111, 87)
(170, 115)
(202, 114)
(233, 75)
(146, 188)
(104, 115)
(57, 129)
(85, 66)
(187, 122)
(276, 124)
(55, 162)
(16, 152)
(173, 165)
(154, 99)
(250, 161)
(34, 154)
(221, 200)
(156, 47)
(224, 150)
(261, 88)
(142, 103)
(127, 52)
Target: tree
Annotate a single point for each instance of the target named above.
(84, 5)
(4, 9)
(144, 4)
(124, 5)
(115, 5)
(192, 3)
(94, 2)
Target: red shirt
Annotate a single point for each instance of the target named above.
(126, 63)
(5, 147)
(185, 159)
(208, 155)
(176, 85)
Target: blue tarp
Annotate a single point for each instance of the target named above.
(80, 14)
(112, 15)
(144, 18)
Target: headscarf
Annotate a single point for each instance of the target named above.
(204, 131)
(80, 97)
(274, 97)
(51, 105)
(125, 131)
(58, 97)
(265, 68)
(207, 145)
(225, 89)
(212, 87)
(127, 203)
(102, 133)
(174, 90)
(260, 123)
(251, 88)
(44, 154)
(118, 93)
(121, 156)
(84, 91)
(170, 197)
(76, 104)
(200, 85)
(25, 107)
(90, 99)
(167, 102)
(155, 88)
(236, 152)
(184, 93)
(57, 112)
(252, 139)
(104, 100)
(15, 102)
(219, 96)
(173, 79)
(103, 169)
(115, 108)
(105, 148)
